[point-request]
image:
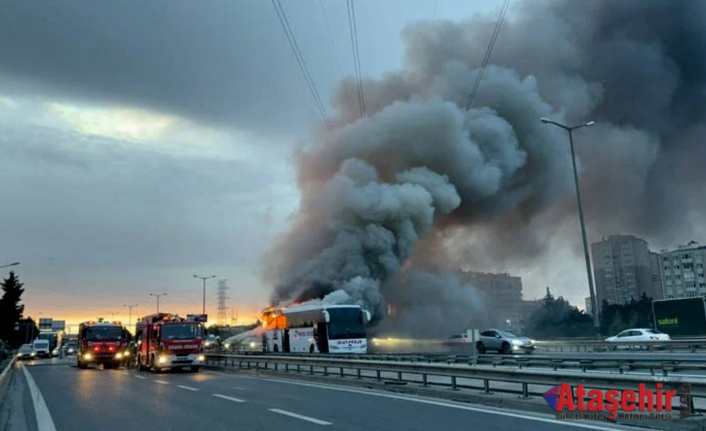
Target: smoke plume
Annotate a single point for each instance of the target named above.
(423, 182)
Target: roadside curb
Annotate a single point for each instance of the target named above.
(7, 369)
(496, 400)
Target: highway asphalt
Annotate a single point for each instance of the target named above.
(127, 400)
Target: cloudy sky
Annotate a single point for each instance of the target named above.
(144, 142)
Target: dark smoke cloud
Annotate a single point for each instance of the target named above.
(421, 175)
(422, 306)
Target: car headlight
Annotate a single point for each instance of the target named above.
(252, 344)
(126, 354)
(517, 342)
(118, 355)
(200, 358)
(87, 356)
(19, 354)
(162, 359)
(33, 354)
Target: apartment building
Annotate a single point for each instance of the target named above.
(623, 269)
(503, 294)
(682, 271)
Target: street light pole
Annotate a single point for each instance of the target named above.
(129, 320)
(594, 304)
(204, 289)
(10, 264)
(157, 295)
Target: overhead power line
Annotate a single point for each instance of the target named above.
(300, 60)
(493, 38)
(356, 55)
(330, 36)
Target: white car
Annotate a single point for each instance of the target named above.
(639, 335)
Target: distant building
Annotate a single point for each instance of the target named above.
(622, 269)
(503, 294)
(589, 306)
(682, 271)
(655, 268)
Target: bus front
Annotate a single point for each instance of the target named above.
(346, 328)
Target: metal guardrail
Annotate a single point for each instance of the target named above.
(662, 366)
(523, 379)
(692, 344)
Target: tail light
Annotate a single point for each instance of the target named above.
(96, 348)
(111, 348)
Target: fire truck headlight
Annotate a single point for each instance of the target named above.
(118, 355)
(162, 359)
(87, 356)
(200, 358)
(126, 354)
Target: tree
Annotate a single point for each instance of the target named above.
(27, 331)
(10, 307)
(558, 318)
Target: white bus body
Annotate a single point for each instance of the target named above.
(316, 329)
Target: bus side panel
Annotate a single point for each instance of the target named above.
(274, 340)
(301, 340)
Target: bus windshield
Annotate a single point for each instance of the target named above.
(345, 323)
(103, 333)
(181, 331)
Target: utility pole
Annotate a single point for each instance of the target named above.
(158, 295)
(129, 320)
(204, 289)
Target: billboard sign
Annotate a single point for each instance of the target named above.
(45, 323)
(684, 317)
(58, 325)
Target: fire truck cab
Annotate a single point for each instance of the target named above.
(101, 343)
(168, 341)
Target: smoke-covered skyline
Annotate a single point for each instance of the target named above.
(421, 177)
(145, 143)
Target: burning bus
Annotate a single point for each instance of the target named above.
(315, 328)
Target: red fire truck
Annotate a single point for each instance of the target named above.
(101, 343)
(166, 340)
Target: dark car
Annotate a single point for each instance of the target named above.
(26, 352)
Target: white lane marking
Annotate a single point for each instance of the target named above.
(188, 388)
(239, 388)
(489, 410)
(141, 377)
(226, 397)
(162, 382)
(302, 417)
(44, 420)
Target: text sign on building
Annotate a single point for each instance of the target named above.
(45, 324)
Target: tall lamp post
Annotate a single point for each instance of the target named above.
(204, 289)
(10, 264)
(129, 320)
(570, 129)
(158, 295)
